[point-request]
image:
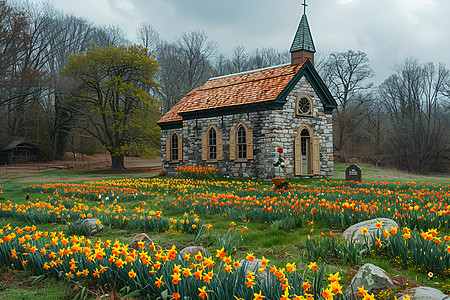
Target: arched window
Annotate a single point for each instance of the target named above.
(304, 141)
(212, 144)
(174, 148)
(304, 105)
(241, 143)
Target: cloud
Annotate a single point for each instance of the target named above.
(345, 1)
(389, 31)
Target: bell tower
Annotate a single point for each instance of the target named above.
(302, 47)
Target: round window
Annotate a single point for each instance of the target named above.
(304, 106)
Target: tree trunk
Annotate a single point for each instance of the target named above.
(117, 162)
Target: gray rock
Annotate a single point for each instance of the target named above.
(194, 250)
(253, 267)
(353, 233)
(424, 293)
(373, 278)
(140, 237)
(89, 226)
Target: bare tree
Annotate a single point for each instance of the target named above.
(414, 98)
(239, 60)
(69, 34)
(195, 51)
(14, 40)
(38, 39)
(346, 74)
(376, 125)
(171, 91)
(266, 57)
(148, 36)
(320, 59)
(185, 65)
(111, 35)
(221, 65)
(28, 71)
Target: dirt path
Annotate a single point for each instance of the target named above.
(91, 163)
(85, 165)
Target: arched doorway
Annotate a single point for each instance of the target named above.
(305, 149)
(307, 155)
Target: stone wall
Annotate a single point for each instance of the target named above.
(271, 129)
(284, 126)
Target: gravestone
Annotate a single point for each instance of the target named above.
(353, 172)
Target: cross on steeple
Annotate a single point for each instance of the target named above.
(302, 47)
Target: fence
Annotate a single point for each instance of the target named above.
(17, 168)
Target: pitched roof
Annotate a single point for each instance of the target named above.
(303, 39)
(259, 89)
(236, 89)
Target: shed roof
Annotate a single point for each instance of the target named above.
(15, 144)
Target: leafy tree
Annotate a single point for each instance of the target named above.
(111, 87)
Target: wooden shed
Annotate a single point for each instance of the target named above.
(18, 152)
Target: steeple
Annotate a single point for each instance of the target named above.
(302, 47)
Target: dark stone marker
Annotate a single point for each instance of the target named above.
(353, 172)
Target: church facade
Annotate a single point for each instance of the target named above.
(237, 122)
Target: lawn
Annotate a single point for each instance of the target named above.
(290, 229)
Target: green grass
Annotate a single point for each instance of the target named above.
(277, 245)
(372, 173)
(19, 285)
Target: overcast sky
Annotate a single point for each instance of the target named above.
(389, 31)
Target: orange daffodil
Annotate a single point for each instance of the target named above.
(203, 293)
(132, 274)
(176, 296)
(264, 262)
(250, 257)
(361, 291)
(393, 230)
(312, 266)
(221, 253)
(334, 277)
(258, 296)
(379, 224)
(60, 250)
(290, 267)
(159, 283)
(328, 294)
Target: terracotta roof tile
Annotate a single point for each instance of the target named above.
(237, 89)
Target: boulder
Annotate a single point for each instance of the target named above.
(373, 278)
(89, 226)
(424, 293)
(194, 250)
(353, 233)
(253, 267)
(140, 237)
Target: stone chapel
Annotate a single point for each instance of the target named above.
(237, 122)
